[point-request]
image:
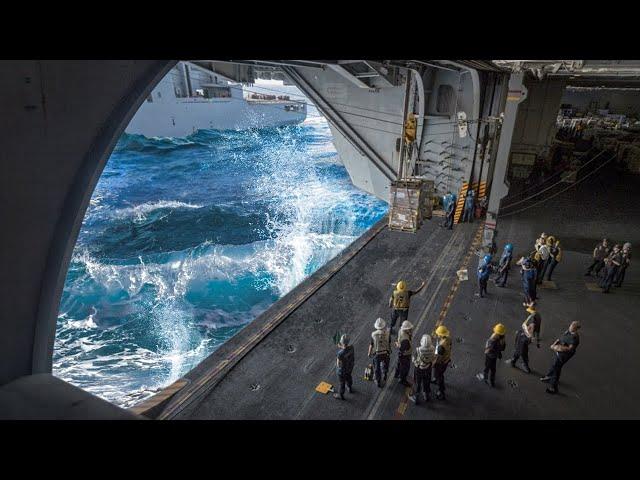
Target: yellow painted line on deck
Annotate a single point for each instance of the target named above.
(402, 408)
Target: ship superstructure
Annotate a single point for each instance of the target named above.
(191, 98)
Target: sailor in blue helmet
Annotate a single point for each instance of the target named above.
(446, 199)
(484, 270)
(504, 265)
(450, 212)
(529, 275)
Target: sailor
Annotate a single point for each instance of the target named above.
(564, 349)
(446, 199)
(404, 352)
(543, 253)
(400, 301)
(492, 352)
(550, 242)
(555, 255)
(423, 359)
(534, 319)
(599, 254)
(469, 203)
(529, 330)
(344, 366)
(626, 261)
(380, 350)
(528, 273)
(450, 213)
(504, 265)
(483, 275)
(612, 264)
(442, 359)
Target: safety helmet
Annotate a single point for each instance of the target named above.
(499, 329)
(380, 324)
(344, 340)
(508, 247)
(627, 246)
(531, 308)
(442, 331)
(425, 341)
(487, 258)
(401, 286)
(406, 325)
(551, 240)
(617, 246)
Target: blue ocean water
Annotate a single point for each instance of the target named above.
(187, 240)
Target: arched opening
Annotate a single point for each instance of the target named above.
(186, 239)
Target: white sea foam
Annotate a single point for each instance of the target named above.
(140, 212)
(310, 220)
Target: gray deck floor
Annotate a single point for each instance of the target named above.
(277, 378)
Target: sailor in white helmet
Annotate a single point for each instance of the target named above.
(380, 350)
(404, 352)
(422, 362)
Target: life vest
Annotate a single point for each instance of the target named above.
(423, 357)
(444, 350)
(404, 335)
(380, 342)
(401, 300)
(533, 319)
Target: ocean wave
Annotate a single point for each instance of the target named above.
(187, 240)
(139, 212)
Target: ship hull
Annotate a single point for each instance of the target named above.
(184, 118)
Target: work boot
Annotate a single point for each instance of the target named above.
(440, 396)
(414, 399)
(380, 385)
(546, 378)
(526, 369)
(482, 378)
(338, 396)
(350, 389)
(551, 391)
(511, 362)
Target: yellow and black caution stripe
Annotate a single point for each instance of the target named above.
(463, 194)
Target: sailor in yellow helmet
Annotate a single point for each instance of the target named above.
(400, 301)
(442, 358)
(529, 330)
(492, 352)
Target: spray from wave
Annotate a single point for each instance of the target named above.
(187, 240)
